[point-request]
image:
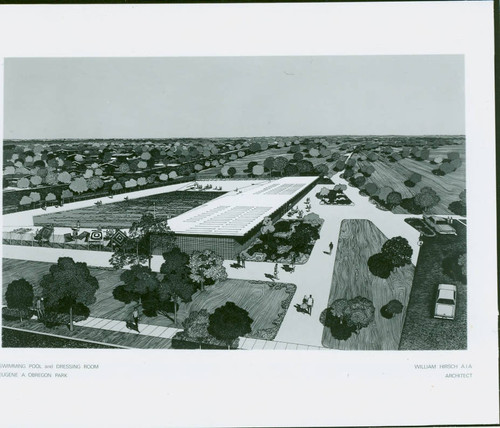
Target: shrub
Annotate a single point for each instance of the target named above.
(398, 251)
(282, 226)
(380, 265)
(392, 308)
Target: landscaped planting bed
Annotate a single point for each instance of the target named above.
(291, 242)
(122, 214)
(358, 240)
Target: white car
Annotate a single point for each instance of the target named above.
(446, 302)
(440, 225)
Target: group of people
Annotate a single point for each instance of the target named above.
(240, 258)
(306, 305)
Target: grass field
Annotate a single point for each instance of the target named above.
(123, 214)
(421, 331)
(358, 240)
(394, 174)
(83, 333)
(262, 299)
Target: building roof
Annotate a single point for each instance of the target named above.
(239, 211)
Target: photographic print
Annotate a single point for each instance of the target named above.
(251, 203)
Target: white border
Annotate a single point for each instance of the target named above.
(302, 388)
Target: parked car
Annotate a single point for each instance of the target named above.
(446, 302)
(439, 224)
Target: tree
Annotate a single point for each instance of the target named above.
(426, 198)
(175, 288)
(393, 199)
(79, 185)
(380, 265)
(64, 177)
(392, 308)
(23, 183)
(280, 163)
(313, 219)
(67, 285)
(302, 236)
(269, 164)
(231, 171)
(398, 251)
(345, 317)
(258, 170)
(322, 169)
(19, 297)
(305, 167)
(66, 194)
(25, 201)
(359, 313)
(371, 189)
(229, 322)
(206, 268)
(139, 247)
(95, 183)
(291, 170)
(116, 187)
(139, 283)
(50, 197)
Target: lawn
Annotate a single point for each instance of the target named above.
(128, 340)
(241, 163)
(421, 331)
(122, 214)
(394, 174)
(266, 302)
(358, 240)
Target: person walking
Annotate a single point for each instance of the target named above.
(304, 305)
(42, 307)
(276, 270)
(242, 259)
(38, 307)
(310, 304)
(238, 260)
(330, 245)
(135, 315)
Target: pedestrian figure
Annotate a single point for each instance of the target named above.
(39, 312)
(276, 270)
(242, 259)
(238, 260)
(310, 303)
(135, 315)
(330, 245)
(303, 306)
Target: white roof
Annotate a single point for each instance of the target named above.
(238, 211)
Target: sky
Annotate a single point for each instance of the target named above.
(51, 98)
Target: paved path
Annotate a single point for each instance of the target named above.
(168, 332)
(120, 326)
